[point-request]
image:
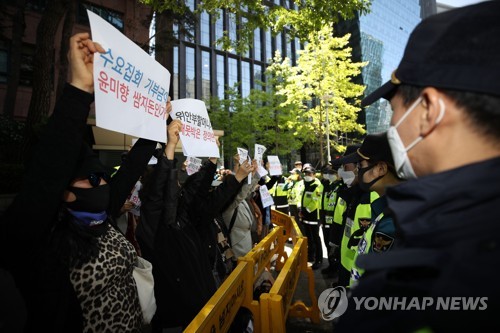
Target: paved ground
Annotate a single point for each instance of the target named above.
(322, 282)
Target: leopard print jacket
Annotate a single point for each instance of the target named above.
(106, 288)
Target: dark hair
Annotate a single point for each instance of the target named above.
(483, 110)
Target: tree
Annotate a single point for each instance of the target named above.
(301, 19)
(258, 118)
(323, 74)
(18, 26)
(43, 63)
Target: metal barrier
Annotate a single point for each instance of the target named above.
(272, 309)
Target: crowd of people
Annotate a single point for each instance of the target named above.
(409, 212)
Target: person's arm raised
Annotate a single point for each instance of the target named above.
(81, 59)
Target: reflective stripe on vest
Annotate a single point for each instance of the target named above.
(363, 211)
(364, 247)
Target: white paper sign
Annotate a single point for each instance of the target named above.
(193, 165)
(259, 152)
(131, 88)
(266, 198)
(243, 153)
(197, 135)
(274, 165)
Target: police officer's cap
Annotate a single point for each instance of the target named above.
(457, 50)
(375, 148)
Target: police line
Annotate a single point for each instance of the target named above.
(272, 309)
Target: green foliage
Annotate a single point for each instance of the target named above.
(258, 118)
(299, 21)
(321, 82)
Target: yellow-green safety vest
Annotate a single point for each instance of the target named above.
(312, 200)
(328, 205)
(364, 247)
(363, 211)
(294, 192)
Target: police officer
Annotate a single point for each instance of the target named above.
(445, 97)
(328, 201)
(309, 214)
(376, 173)
(356, 210)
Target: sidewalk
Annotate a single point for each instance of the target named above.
(321, 282)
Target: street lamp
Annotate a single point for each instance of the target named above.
(326, 98)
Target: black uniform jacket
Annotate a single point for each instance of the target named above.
(447, 249)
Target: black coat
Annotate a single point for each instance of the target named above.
(27, 245)
(176, 234)
(448, 245)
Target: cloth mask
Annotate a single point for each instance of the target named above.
(366, 186)
(330, 177)
(93, 200)
(399, 152)
(308, 178)
(347, 176)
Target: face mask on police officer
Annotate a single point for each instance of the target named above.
(308, 178)
(330, 177)
(347, 176)
(402, 162)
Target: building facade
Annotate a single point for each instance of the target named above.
(379, 38)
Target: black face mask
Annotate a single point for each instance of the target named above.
(93, 200)
(366, 186)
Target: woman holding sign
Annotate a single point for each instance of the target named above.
(73, 268)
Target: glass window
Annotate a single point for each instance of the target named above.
(190, 4)
(245, 78)
(220, 76)
(190, 73)
(288, 48)
(269, 45)
(113, 17)
(205, 29)
(257, 45)
(205, 75)
(219, 27)
(279, 44)
(257, 77)
(176, 73)
(4, 54)
(231, 26)
(232, 72)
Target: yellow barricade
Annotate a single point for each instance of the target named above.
(271, 311)
(219, 312)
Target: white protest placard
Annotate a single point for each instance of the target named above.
(259, 152)
(243, 154)
(193, 165)
(274, 165)
(197, 136)
(131, 88)
(265, 196)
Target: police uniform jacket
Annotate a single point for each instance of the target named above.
(447, 245)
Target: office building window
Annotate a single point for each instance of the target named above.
(231, 26)
(279, 44)
(245, 79)
(232, 71)
(205, 29)
(175, 79)
(192, 38)
(113, 17)
(219, 28)
(190, 73)
(269, 45)
(220, 76)
(205, 75)
(257, 77)
(4, 54)
(257, 46)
